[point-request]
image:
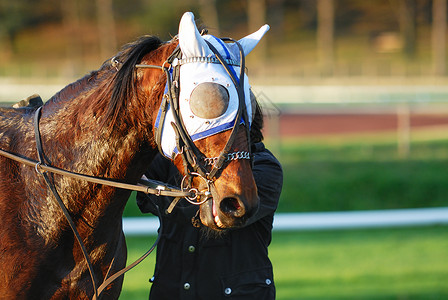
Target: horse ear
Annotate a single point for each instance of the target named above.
(191, 42)
(249, 42)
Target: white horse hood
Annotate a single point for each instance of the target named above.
(197, 68)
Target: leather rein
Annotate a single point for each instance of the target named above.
(194, 162)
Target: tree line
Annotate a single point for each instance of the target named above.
(324, 20)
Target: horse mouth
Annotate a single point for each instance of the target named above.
(208, 214)
(214, 214)
(216, 218)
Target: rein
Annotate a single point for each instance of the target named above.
(146, 186)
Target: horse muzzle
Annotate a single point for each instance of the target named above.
(229, 205)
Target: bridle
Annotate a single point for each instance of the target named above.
(194, 162)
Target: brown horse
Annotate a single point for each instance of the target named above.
(103, 125)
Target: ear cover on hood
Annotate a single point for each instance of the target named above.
(193, 45)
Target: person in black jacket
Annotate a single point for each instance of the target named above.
(234, 265)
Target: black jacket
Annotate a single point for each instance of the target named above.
(235, 265)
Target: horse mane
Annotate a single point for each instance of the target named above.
(123, 81)
(115, 91)
(74, 89)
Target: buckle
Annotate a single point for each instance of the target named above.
(196, 194)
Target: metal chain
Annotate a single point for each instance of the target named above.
(205, 59)
(210, 161)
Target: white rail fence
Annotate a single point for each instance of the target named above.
(324, 220)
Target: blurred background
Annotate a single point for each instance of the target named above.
(355, 101)
(308, 38)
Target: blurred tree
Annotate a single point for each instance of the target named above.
(354, 17)
(276, 18)
(73, 45)
(106, 28)
(209, 16)
(90, 27)
(162, 17)
(256, 12)
(407, 21)
(18, 15)
(325, 36)
(232, 17)
(10, 24)
(439, 37)
(307, 13)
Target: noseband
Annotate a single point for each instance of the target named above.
(194, 162)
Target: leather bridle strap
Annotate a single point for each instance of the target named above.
(109, 280)
(242, 111)
(147, 186)
(61, 204)
(186, 146)
(41, 164)
(191, 155)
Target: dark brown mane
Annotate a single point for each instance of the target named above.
(120, 87)
(73, 89)
(123, 81)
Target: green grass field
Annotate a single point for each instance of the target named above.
(362, 264)
(400, 263)
(357, 174)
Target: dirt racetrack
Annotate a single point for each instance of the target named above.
(296, 125)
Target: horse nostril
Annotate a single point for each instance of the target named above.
(232, 206)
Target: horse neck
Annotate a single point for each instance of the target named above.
(75, 137)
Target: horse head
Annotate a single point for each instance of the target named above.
(204, 122)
